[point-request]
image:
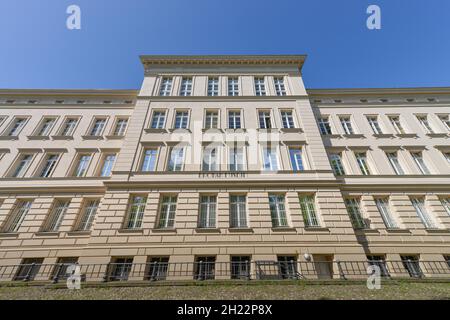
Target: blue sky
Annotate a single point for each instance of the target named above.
(37, 50)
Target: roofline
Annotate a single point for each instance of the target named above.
(377, 91)
(70, 92)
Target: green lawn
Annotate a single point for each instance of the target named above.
(285, 291)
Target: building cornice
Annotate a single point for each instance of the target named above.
(67, 92)
(377, 91)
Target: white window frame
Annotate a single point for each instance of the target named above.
(167, 211)
(425, 123)
(94, 131)
(353, 206)
(237, 114)
(62, 131)
(48, 170)
(374, 124)
(297, 160)
(422, 212)
(81, 165)
(120, 131)
(273, 160)
(324, 125)
(280, 87)
(384, 209)
(209, 120)
(278, 211)
(87, 214)
(238, 211)
(165, 88)
(213, 86)
(154, 159)
(234, 156)
(160, 120)
(396, 122)
(284, 114)
(107, 164)
(363, 162)
(184, 118)
(186, 86)
(393, 158)
(346, 123)
(337, 164)
(420, 162)
(135, 212)
(176, 165)
(207, 211)
(309, 212)
(233, 86)
(260, 86)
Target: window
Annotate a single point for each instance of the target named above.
(211, 119)
(121, 126)
(418, 159)
(186, 87)
(98, 126)
(395, 164)
(447, 156)
(234, 119)
(22, 165)
(309, 211)
(28, 269)
(260, 87)
(157, 268)
(240, 267)
(446, 204)
(56, 216)
(336, 164)
(88, 213)
(238, 211)
(176, 159)
(373, 121)
(120, 268)
(324, 126)
(287, 118)
(385, 212)
(150, 158)
(422, 213)
(19, 212)
(264, 120)
(17, 126)
(167, 212)
(158, 119)
(233, 86)
(210, 155)
(49, 166)
(287, 267)
(354, 212)
(166, 87)
(207, 217)
(278, 210)
(69, 127)
(204, 268)
(380, 262)
(60, 271)
(181, 119)
(108, 163)
(136, 212)
(346, 125)
(237, 158)
(445, 120)
(46, 127)
(411, 264)
(423, 120)
(213, 87)
(395, 121)
(270, 161)
(295, 154)
(361, 158)
(82, 165)
(279, 86)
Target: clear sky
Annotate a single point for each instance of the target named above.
(412, 49)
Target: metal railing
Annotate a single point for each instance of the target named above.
(243, 270)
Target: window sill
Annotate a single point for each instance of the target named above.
(406, 135)
(239, 130)
(243, 229)
(174, 130)
(283, 229)
(164, 230)
(212, 130)
(38, 137)
(353, 136)
(9, 234)
(62, 137)
(437, 135)
(92, 137)
(268, 130)
(314, 229)
(291, 130)
(9, 138)
(435, 230)
(140, 230)
(332, 135)
(113, 137)
(367, 230)
(152, 130)
(383, 135)
(207, 230)
(398, 231)
(47, 234)
(79, 233)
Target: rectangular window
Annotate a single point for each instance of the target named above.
(446, 204)
(234, 119)
(121, 126)
(295, 154)
(237, 158)
(280, 89)
(238, 211)
(136, 212)
(445, 120)
(46, 127)
(324, 126)
(233, 86)
(28, 269)
(186, 87)
(98, 126)
(346, 125)
(418, 159)
(373, 121)
(56, 215)
(287, 118)
(16, 218)
(287, 267)
(207, 218)
(422, 213)
(380, 262)
(447, 156)
(158, 120)
(309, 211)
(17, 126)
(181, 119)
(69, 127)
(82, 165)
(49, 166)
(385, 212)
(213, 87)
(270, 159)
(264, 120)
(423, 120)
(204, 268)
(150, 158)
(211, 119)
(176, 159)
(240, 267)
(157, 268)
(22, 165)
(108, 164)
(167, 211)
(278, 210)
(395, 121)
(361, 158)
(412, 265)
(260, 87)
(60, 271)
(120, 268)
(354, 212)
(88, 213)
(166, 87)
(395, 163)
(210, 159)
(336, 164)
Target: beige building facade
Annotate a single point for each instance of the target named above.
(224, 159)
